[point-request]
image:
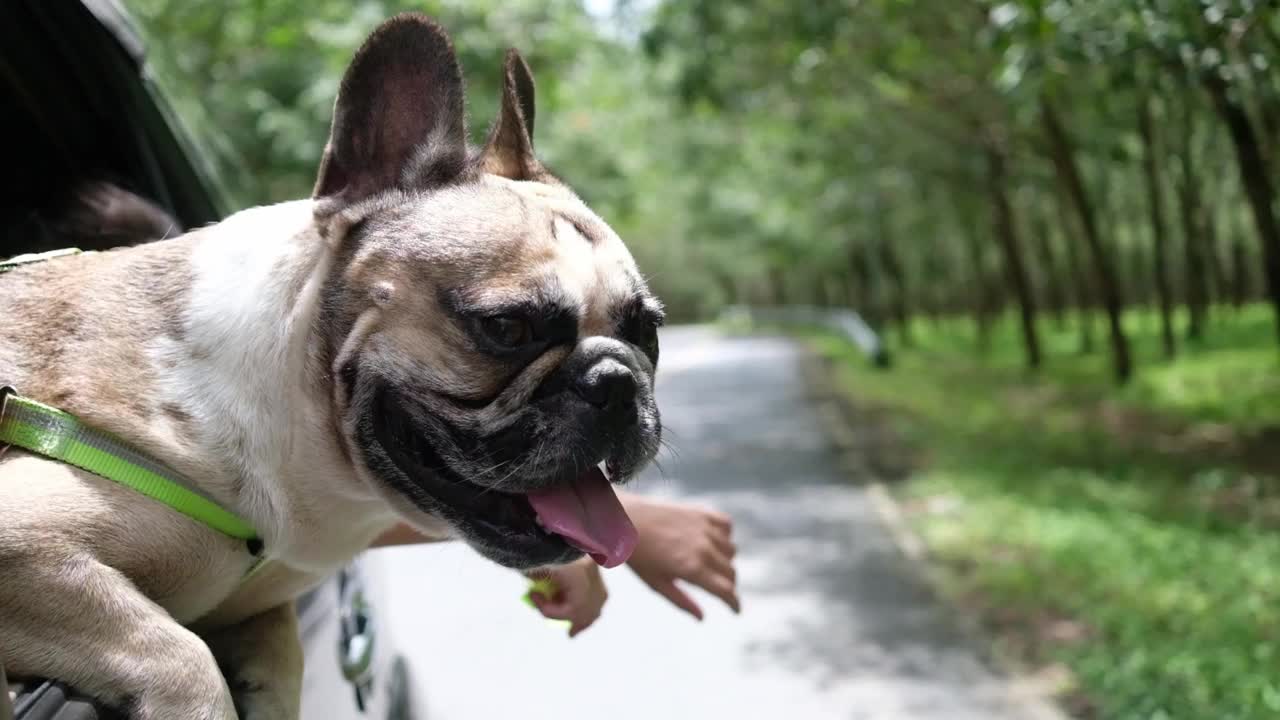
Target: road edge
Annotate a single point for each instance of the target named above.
(1032, 695)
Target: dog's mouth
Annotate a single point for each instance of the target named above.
(587, 515)
(576, 514)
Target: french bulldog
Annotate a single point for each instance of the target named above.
(441, 335)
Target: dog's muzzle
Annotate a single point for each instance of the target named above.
(539, 490)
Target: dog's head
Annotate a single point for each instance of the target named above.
(492, 343)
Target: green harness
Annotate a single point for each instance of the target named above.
(60, 436)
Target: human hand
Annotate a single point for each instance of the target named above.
(578, 593)
(679, 541)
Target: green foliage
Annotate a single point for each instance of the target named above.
(769, 151)
(257, 82)
(887, 108)
(1100, 531)
(1231, 376)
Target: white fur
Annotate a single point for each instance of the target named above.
(241, 375)
(591, 269)
(594, 274)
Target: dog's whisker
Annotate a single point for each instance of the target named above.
(662, 470)
(499, 485)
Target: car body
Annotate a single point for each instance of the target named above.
(84, 103)
(353, 669)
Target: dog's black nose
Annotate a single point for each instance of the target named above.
(608, 385)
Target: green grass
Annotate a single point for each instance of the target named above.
(1232, 375)
(1149, 569)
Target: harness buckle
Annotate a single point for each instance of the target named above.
(5, 392)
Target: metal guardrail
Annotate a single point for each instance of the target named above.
(844, 321)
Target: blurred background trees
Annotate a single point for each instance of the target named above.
(1045, 159)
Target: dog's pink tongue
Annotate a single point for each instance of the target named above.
(588, 515)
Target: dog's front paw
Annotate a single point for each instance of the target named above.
(182, 700)
(264, 701)
(262, 660)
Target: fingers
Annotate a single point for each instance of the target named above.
(679, 598)
(684, 543)
(555, 609)
(725, 589)
(724, 545)
(720, 533)
(720, 566)
(718, 577)
(578, 596)
(721, 521)
(579, 618)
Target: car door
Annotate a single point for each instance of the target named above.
(352, 672)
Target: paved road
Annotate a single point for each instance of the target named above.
(833, 625)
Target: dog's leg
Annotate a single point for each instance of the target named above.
(69, 617)
(262, 660)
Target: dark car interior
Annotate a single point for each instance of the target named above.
(91, 160)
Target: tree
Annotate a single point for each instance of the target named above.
(1155, 202)
(1062, 152)
(880, 152)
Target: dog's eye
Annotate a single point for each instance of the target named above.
(507, 331)
(649, 341)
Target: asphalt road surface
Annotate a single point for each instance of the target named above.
(834, 624)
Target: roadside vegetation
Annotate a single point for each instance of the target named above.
(1126, 542)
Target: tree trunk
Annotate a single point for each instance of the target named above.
(1256, 180)
(1006, 232)
(728, 287)
(1213, 255)
(863, 288)
(980, 293)
(1155, 204)
(1210, 223)
(846, 296)
(1079, 279)
(892, 265)
(1055, 294)
(1063, 155)
(1241, 275)
(777, 286)
(976, 289)
(1195, 272)
(821, 296)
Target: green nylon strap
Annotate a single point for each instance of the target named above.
(60, 436)
(32, 258)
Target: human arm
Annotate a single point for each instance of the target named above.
(576, 593)
(683, 542)
(677, 542)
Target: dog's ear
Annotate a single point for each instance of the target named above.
(398, 121)
(509, 150)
